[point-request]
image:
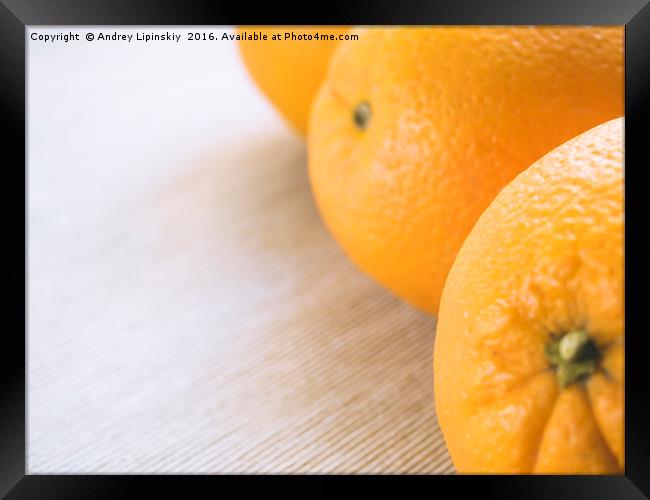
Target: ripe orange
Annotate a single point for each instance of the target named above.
(528, 359)
(289, 72)
(415, 130)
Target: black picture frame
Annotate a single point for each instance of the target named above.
(15, 15)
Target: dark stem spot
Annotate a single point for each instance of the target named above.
(574, 357)
(362, 114)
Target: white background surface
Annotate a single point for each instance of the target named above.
(188, 312)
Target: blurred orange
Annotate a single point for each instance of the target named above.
(289, 72)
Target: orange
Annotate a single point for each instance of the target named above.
(415, 130)
(289, 72)
(528, 359)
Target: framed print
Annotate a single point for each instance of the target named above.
(373, 244)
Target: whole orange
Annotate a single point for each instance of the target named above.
(528, 359)
(415, 130)
(289, 71)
